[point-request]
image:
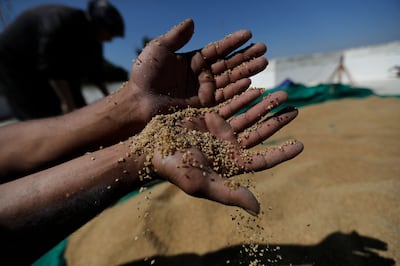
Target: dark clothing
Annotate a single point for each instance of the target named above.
(47, 42)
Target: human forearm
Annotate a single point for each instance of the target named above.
(31, 145)
(40, 210)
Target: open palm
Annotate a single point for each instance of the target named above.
(196, 173)
(196, 76)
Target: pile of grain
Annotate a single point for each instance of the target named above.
(168, 134)
(186, 129)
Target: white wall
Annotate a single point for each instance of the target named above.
(266, 78)
(370, 66)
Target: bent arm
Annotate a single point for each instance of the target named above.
(38, 211)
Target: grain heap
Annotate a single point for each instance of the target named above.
(169, 134)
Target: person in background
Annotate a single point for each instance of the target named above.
(47, 51)
(54, 177)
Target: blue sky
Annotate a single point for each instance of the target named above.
(287, 27)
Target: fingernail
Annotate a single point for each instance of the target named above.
(251, 212)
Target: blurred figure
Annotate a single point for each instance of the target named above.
(47, 50)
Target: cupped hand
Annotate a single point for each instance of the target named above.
(199, 78)
(197, 173)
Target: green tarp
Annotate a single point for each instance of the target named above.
(301, 95)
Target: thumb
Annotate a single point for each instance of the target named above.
(178, 36)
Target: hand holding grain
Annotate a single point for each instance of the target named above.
(198, 150)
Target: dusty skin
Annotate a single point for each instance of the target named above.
(203, 151)
(336, 204)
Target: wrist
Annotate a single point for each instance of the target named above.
(141, 157)
(129, 163)
(129, 105)
(117, 168)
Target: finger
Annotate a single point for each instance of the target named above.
(214, 51)
(244, 55)
(274, 155)
(267, 128)
(227, 192)
(208, 96)
(231, 90)
(234, 105)
(207, 88)
(227, 45)
(178, 36)
(255, 113)
(194, 123)
(203, 182)
(218, 127)
(244, 70)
